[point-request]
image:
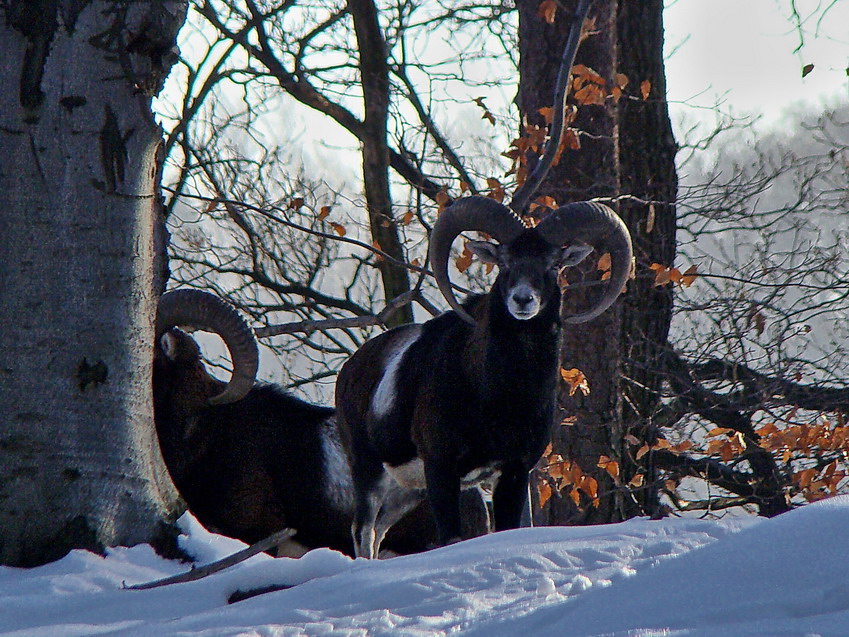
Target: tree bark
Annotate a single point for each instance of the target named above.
(626, 148)
(647, 150)
(374, 75)
(79, 201)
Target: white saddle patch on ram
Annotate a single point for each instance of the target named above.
(383, 398)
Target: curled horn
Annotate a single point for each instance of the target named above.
(467, 215)
(206, 311)
(599, 226)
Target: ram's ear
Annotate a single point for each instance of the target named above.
(574, 254)
(485, 251)
(168, 343)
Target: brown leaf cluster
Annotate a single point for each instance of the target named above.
(664, 275)
(465, 259)
(806, 441)
(588, 87)
(560, 474)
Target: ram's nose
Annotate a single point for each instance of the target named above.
(522, 299)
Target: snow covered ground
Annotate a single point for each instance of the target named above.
(780, 577)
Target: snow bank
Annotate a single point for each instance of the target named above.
(785, 576)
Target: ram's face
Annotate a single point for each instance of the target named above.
(528, 270)
(177, 346)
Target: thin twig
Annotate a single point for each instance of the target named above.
(310, 326)
(219, 565)
(523, 195)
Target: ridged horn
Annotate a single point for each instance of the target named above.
(206, 311)
(599, 226)
(467, 215)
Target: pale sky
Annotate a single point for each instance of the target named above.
(744, 49)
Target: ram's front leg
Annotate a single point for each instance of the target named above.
(510, 497)
(443, 492)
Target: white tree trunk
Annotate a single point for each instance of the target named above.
(79, 460)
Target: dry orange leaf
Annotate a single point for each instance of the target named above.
(296, 203)
(616, 94)
(339, 229)
(323, 213)
(645, 89)
(465, 259)
(545, 492)
(767, 430)
(555, 470)
(585, 74)
(590, 94)
(689, 276)
(544, 201)
(718, 431)
(805, 477)
(611, 466)
(684, 445)
(576, 380)
(651, 218)
(496, 189)
(547, 10)
(675, 275)
(661, 274)
(570, 140)
(589, 485)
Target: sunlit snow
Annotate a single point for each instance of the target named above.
(785, 576)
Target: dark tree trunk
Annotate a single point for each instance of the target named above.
(626, 148)
(374, 72)
(647, 151)
(79, 462)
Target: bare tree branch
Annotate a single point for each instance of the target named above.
(214, 567)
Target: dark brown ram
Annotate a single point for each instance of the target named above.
(470, 395)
